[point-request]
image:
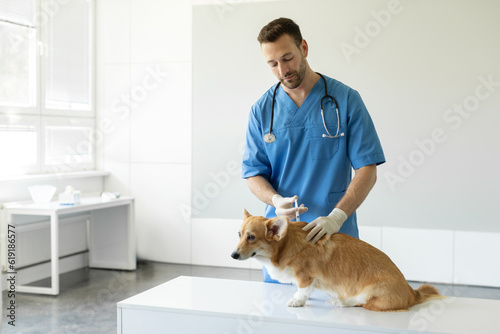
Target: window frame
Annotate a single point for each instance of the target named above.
(44, 115)
(27, 120)
(43, 70)
(33, 109)
(65, 122)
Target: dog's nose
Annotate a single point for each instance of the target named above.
(235, 255)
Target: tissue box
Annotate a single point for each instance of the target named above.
(69, 198)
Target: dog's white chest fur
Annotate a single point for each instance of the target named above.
(283, 276)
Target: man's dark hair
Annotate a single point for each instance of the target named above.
(276, 28)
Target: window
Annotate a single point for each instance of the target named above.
(46, 66)
(17, 53)
(68, 143)
(19, 148)
(68, 60)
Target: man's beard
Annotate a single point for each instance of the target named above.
(297, 78)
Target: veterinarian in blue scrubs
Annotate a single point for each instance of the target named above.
(303, 153)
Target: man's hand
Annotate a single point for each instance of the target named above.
(328, 225)
(284, 206)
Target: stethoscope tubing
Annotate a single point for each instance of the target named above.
(269, 137)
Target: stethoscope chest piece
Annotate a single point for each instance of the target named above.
(269, 138)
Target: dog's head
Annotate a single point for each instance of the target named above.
(259, 236)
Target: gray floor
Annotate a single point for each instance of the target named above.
(87, 302)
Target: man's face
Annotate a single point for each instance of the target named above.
(286, 60)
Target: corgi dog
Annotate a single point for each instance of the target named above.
(351, 271)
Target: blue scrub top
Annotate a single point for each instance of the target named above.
(300, 161)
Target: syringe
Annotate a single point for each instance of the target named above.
(297, 217)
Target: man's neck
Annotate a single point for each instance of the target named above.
(299, 94)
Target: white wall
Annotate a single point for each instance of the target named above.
(143, 89)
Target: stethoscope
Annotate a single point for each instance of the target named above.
(269, 137)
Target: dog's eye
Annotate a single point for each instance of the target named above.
(250, 237)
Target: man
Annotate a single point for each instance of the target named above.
(294, 152)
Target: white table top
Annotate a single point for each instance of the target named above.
(87, 204)
(231, 298)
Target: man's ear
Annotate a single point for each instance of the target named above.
(276, 228)
(246, 214)
(304, 48)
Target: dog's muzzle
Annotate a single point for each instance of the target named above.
(235, 255)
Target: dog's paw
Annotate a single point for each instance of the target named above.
(337, 302)
(294, 302)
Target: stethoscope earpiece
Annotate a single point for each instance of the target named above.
(269, 137)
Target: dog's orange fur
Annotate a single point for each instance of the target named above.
(356, 273)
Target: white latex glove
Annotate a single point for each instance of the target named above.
(284, 206)
(325, 225)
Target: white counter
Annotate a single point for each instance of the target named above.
(203, 305)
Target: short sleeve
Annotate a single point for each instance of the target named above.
(363, 147)
(255, 160)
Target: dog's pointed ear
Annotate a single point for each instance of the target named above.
(277, 228)
(246, 214)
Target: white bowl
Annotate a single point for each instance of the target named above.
(42, 194)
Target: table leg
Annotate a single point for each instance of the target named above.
(54, 262)
(54, 252)
(132, 261)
